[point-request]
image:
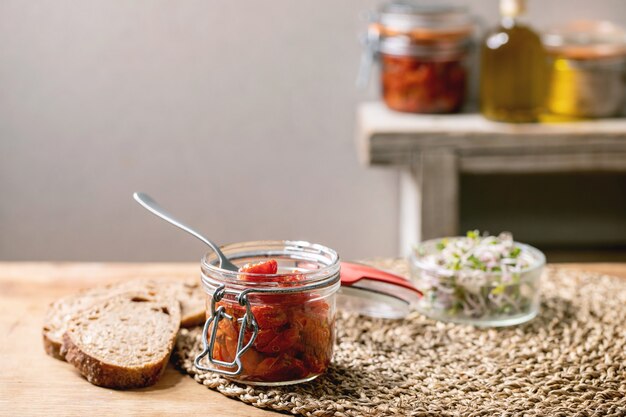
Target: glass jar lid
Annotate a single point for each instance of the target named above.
(424, 22)
(586, 39)
(376, 293)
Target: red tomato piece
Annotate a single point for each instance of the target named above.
(297, 369)
(217, 352)
(275, 343)
(266, 268)
(282, 368)
(317, 309)
(229, 349)
(263, 338)
(228, 328)
(315, 364)
(270, 316)
(250, 361)
(316, 335)
(268, 367)
(232, 308)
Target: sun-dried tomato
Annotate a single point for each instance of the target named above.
(419, 85)
(269, 317)
(266, 268)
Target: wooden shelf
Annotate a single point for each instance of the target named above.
(435, 149)
(392, 138)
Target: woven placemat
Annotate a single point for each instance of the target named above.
(570, 360)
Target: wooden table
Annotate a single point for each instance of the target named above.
(32, 383)
(433, 150)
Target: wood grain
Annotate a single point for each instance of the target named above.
(438, 179)
(385, 137)
(32, 383)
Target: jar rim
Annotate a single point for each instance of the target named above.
(402, 46)
(586, 39)
(430, 20)
(315, 253)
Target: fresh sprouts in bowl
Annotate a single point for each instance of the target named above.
(483, 280)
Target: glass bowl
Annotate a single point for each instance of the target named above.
(489, 299)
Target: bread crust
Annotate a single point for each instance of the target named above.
(83, 341)
(193, 320)
(62, 310)
(52, 347)
(108, 375)
(189, 293)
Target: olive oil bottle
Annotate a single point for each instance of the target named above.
(513, 80)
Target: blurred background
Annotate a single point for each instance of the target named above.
(238, 116)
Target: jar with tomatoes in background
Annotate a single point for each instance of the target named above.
(273, 321)
(423, 53)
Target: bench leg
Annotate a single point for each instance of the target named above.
(429, 199)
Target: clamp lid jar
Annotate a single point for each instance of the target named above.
(587, 69)
(423, 52)
(273, 328)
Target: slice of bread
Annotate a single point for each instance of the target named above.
(188, 292)
(124, 341)
(63, 310)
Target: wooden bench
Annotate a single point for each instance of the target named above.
(433, 150)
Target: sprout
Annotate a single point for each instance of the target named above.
(477, 276)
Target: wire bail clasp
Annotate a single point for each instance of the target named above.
(248, 320)
(370, 42)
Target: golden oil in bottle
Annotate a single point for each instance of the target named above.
(513, 69)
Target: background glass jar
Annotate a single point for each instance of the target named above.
(423, 53)
(270, 329)
(423, 78)
(587, 62)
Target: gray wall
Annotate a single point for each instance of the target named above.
(237, 115)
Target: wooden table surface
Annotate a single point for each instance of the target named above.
(31, 383)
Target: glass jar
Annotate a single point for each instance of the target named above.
(422, 79)
(489, 299)
(587, 68)
(423, 53)
(270, 329)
